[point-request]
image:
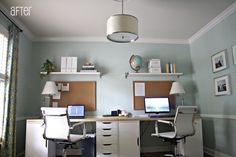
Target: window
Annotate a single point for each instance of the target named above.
(3, 63)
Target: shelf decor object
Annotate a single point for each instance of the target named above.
(135, 62)
(127, 74)
(47, 68)
(219, 61)
(122, 28)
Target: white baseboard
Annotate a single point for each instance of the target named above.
(214, 153)
(155, 149)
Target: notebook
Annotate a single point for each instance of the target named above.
(76, 111)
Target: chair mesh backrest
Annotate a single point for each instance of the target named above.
(184, 120)
(56, 123)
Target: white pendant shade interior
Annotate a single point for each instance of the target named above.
(122, 28)
(50, 88)
(177, 88)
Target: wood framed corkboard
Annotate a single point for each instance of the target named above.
(153, 89)
(80, 92)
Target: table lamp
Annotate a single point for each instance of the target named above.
(50, 89)
(177, 89)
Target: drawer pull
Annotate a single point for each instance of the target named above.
(106, 153)
(106, 129)
(107, 144)
(106, 135)
(106, 122)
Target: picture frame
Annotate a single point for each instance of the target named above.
(219, 61)
(234, 53)
(222, 86)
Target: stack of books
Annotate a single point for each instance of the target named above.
(88, 68)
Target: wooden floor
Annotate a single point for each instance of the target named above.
(142, 155)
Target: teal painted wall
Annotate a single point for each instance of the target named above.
(113, 90)
(219, 134)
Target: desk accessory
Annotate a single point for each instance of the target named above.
(177, 89)
(50, 89)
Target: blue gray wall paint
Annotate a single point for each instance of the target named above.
(218, 134)
(113, 90)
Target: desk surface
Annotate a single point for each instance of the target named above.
(100, 118)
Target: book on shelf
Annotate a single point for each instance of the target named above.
(88, 70)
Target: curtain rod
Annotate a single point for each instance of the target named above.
(11, 20)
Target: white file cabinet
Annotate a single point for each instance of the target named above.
(118, 138)
(107, 138)
(129, 141)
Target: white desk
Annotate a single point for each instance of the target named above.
(122, 144)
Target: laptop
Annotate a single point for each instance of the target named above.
(76, 111)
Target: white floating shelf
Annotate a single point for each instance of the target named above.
(74, 73)
(151, 74)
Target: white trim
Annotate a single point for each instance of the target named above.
(214, 153)
(26, 31)
(233, 117)
(27, 117)
(227, 12)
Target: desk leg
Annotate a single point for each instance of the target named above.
(180, 147)
(51, 149)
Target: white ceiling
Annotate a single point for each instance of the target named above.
(158, 19)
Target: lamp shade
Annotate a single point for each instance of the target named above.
(122, 28)
(177, 88)
(50, 88)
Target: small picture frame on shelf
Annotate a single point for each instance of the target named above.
(234, 53)
(222, 86)
(219, 61)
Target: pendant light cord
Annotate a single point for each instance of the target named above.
(122, 6)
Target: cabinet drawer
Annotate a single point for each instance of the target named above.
(107, 155)
(107, 124)
(107, 148)
(106, 139)
(106, 131)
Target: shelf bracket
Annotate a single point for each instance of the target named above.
(126, 74)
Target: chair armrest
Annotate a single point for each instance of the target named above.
(166, 122)
(156, 126)
(84, 127)
(76, 124)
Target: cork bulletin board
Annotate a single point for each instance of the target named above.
(80, 92)
(152, 89)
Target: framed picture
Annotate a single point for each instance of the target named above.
(219, 61)
(222, 85)
(234, 53)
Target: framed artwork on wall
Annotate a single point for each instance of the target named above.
(234, 53)
(219, 61)
(222, 86)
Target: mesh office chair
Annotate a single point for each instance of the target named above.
(183, 126)
(57, 127)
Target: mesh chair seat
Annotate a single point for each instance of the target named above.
(75, 138)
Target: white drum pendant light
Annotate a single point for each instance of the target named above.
(122, 28)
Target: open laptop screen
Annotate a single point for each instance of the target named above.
(157, 105)
(76, 111)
